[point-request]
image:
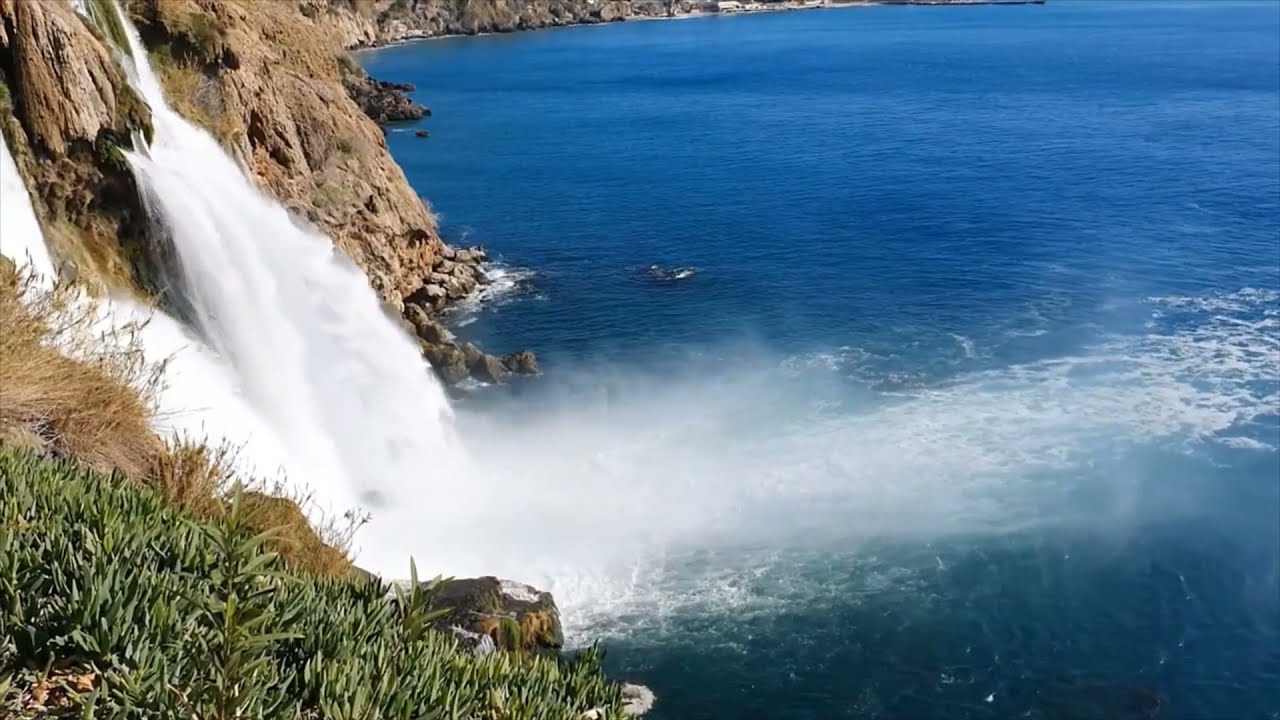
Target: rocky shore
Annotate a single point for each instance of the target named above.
(456, 275)
(372, 23)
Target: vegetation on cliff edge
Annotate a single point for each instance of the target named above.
(115, 604)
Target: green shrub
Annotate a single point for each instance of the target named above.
(147, 613)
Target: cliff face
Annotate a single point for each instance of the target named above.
(69, 108)
(261, 76)
(361, 23)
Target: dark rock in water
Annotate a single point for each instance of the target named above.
(385, 102)
(489, 369)
(421, 133)
(449, 362)
(662, 274)
(522, 363)
(514, 616)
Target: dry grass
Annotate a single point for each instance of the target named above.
(69, 388)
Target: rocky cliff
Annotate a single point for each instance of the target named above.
(263, 77)
(363, 23)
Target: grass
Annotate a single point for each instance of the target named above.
(70, 389)
(204, 620)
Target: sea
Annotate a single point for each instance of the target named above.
(899, 362)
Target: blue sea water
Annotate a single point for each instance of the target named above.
(970, 407)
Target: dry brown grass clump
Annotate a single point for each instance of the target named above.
(71, 388)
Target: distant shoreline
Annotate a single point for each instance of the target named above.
(724, 8)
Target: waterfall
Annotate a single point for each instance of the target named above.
(20, 236)
(344, 388)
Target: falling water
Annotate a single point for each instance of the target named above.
(307, 339)
(20, 236)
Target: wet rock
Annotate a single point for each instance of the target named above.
(521, 363)
(489, 369)
(449, 362)
(513, 615)
(636, 699)
(471, 353)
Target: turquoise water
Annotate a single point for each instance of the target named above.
(968, 407)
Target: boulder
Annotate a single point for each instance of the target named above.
(446, 253)
(636, 699)
(489, 369)
(445, 266)
(431, 332)
(429, 295)
(513, 615)
(459, 287)
(448, 361)
(471, 353)
(521, 363)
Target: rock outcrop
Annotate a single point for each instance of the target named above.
(512, 615)
(384, 102)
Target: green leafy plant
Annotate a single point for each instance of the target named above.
(163, 615)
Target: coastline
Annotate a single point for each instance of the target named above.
(739, 8)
